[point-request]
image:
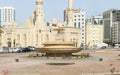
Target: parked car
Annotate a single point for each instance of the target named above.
(13, 49)
(31, 47)
(20, 50)
(116, 46)
(103, 47)
(4, 49)
(24, 50)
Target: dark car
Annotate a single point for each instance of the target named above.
(24, 50)
(31, 47)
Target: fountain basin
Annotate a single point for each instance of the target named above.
(58, 47)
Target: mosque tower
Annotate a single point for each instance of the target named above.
(70, 13)
(70, 4)
(40, 19)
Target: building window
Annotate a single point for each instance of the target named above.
(74, 24)
(82, 19)
(82, 22)
(82, 37)
(118, 13)
(113, 11)
(79, 24)
(82, 33)
(75, 16)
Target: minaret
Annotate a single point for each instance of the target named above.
(40, 19)
(70, 13)
(70, 4)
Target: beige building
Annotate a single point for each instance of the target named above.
(36, 32)
(94, 31)
(94, 34)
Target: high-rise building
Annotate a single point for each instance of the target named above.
(95, 20)
(7, 16)
(109, 17)
(116, 33)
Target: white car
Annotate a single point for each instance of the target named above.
(13, 49)
(116, 47)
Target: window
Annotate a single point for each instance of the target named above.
(118, 13)
(75, 16)
(79, 24)
(74, 19)
(82, 26)
(113, 11)
(74, 24)
(82, 22)
(82, 33)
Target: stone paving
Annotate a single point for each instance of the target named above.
(43, 66)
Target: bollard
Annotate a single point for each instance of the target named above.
(17, 60)
(100, 59)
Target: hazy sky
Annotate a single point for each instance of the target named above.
(54, 8)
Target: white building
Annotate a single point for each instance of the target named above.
(75, 18)
(7, 16)
(79, 22)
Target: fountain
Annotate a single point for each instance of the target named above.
(60, 47)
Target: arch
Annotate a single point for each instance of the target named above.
(9, 43)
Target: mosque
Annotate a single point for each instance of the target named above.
(36, 31)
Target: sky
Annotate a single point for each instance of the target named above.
(55, 8)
